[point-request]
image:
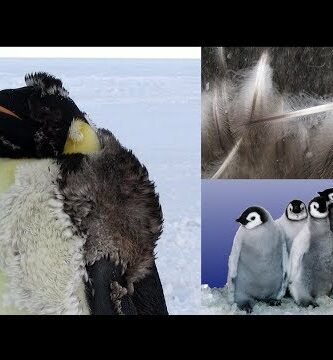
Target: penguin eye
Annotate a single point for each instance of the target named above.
(330, 196)
(315, 205)
(252, 218)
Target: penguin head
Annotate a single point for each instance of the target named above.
(318, 208)
(40, 120)
(327, 194)
(253, 217)
(296, 210)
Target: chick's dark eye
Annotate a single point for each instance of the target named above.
(253, 217)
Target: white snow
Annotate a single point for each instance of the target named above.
(215, 302)
(152, 107)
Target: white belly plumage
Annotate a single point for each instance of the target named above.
(41, 258)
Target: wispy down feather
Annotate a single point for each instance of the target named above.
(270, 134)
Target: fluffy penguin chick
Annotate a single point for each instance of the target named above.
(79, 217)
(293, 220)
(258, 260)
(311, 257)
(328, 195)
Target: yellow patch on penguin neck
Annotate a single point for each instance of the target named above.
(81, 139)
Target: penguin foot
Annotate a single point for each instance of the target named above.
(287, 294)
(314, 304)
(246, 307)
(307, 303)
(274, 302)
(117, 293)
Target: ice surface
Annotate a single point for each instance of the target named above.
(152, 107)
(215, 302)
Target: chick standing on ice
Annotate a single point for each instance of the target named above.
(293, 220)
(258, 260)
(311, 257)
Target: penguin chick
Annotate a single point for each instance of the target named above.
(118, 213)
(88, 196)
(328, 195)
(292, 221)
(258, 260)
(311, 257)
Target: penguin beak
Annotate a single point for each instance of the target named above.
(8, 112)
(241, 221)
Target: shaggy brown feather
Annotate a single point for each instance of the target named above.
(113, 204)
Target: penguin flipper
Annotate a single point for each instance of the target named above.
(299, 248)
(233, 264)
(105, 291)
(285, 279)
(148, 296)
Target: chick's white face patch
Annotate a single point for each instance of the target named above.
(315, 212)
(330, 198)
(254, 220)
(297, 216)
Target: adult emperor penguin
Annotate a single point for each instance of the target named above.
(328, 195)
(292, 220)
(79, 217)
(311, 257)
(258, 260)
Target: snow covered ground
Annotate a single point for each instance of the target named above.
(215, 302)
(152, 107)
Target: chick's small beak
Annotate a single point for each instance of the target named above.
(242, 220)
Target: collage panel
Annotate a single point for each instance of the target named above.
(100, 182)
(267, 247)
(267, 113)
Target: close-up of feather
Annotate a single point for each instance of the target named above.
(267, 112)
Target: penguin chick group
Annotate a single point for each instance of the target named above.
(293, 254)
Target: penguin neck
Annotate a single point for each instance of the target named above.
(319, 225)
(7, 171)
(295, 221)
(330, 212)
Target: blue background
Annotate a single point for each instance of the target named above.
(222, 201)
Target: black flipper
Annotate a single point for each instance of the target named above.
(148, 296)
(103, 275)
